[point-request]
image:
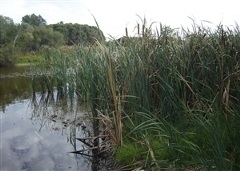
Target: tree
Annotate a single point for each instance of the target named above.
(32, 38)
(79, 34)
(34, 20)
(45, 36)
(8, 30)
(25, 40)
(8, 37)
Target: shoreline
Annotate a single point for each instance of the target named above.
(23, 64)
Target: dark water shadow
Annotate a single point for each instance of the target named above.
(14, 85)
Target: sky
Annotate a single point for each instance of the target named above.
(113, 16)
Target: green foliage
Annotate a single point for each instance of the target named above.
(179, 93)
(34, 20)
(77, 34)
(8, 36)
(8, 30)
(128, 154)
(7, 55)
(24, 59)
(33, 34)
(161, 149)
(25, 38)
(44, 36)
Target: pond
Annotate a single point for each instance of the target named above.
(38, 132)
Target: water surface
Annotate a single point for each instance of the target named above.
(37, 134)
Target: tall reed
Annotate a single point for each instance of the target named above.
(179, 89)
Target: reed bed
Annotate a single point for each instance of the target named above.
(170, 97)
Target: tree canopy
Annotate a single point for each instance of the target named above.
(33, 33)
(8, 36)
(34, 20)
(76, 34)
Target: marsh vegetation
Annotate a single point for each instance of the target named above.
(165, 99)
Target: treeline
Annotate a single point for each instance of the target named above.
(33, 34)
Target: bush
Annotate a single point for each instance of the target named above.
(7, 55)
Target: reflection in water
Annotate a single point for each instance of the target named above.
(27, 147)
(58, 114)
(14, 85)
(38, 132)
(66, 113)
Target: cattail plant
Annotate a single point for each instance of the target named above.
(174, 92)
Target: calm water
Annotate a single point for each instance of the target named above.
(37, 134)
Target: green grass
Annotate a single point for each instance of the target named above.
(128, 154)
(28, 58)
(175, 92)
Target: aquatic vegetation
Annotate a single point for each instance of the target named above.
(180, 89)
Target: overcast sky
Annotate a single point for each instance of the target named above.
(114, 15)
